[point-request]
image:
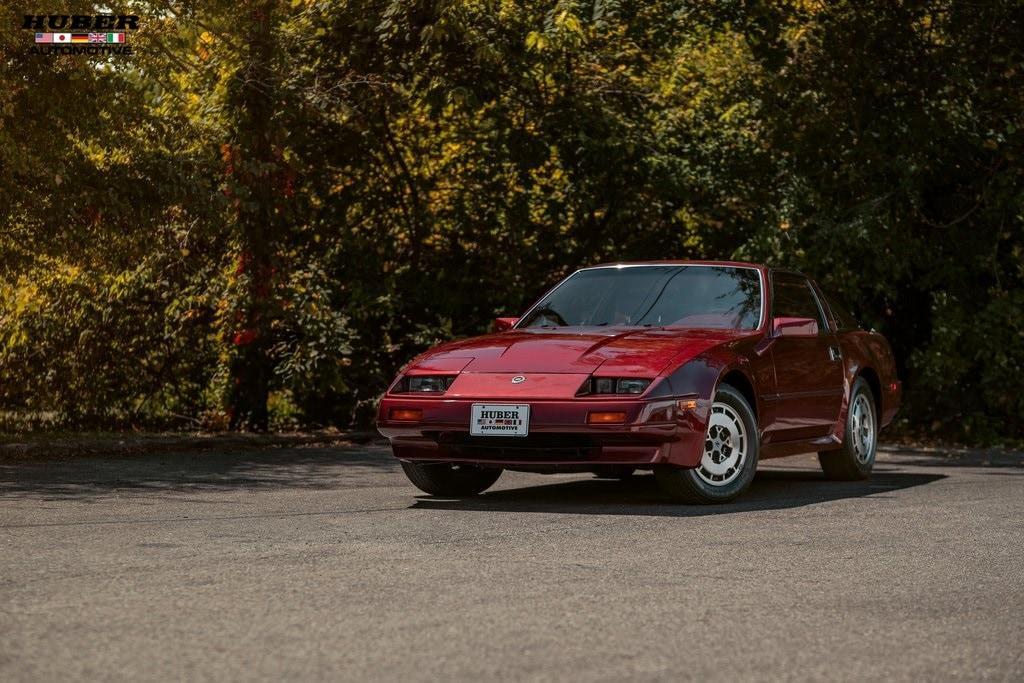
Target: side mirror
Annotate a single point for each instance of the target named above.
(502, 324)
(795, 327)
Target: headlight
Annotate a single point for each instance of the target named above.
(424, 384)
(613, 385)
(631, 386)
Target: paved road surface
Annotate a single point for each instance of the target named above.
(325, 564)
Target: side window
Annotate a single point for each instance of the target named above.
(792, 298)
(844, 321)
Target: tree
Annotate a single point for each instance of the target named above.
(254, 169)
(253, 223)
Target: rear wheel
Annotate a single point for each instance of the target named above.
(856, 458)
(727, 466)
(450, 479)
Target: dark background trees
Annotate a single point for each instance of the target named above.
(288, 199)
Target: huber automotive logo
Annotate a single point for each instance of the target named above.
(80, 34)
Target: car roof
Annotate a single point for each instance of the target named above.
(676, 262)
(693, 262)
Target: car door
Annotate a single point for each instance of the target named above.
(807, 362)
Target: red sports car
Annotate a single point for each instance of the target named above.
(693, 369)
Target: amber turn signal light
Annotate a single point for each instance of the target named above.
(406, 414)
(606, 418)
(687, 404)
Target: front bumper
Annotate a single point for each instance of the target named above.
(655, 432)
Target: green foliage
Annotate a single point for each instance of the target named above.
(286, 200)
(75, 339)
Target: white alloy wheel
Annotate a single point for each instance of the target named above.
(725, 447)
(863, 428)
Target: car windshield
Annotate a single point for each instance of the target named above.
(653, 296)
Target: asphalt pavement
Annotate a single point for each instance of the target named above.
(323, 563)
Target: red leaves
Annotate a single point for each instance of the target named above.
(244, 259)
(228, 156)
(244, 337)
(92, 215)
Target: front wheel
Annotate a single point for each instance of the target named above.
(855, 459)
(449, 479)
(731, 447)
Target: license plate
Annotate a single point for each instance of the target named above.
(489, 419)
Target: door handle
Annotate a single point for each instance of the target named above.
(834, 353)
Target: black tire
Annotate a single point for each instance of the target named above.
(854, 461)
(688, 486)
(620, 472)
(449, 479)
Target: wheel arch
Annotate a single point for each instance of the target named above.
(739, 381)
(700, 378)
(874, 383)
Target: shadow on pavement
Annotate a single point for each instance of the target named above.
(84, 477)
(772, 490)
(983, 458)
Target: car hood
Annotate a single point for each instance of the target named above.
(639, 352)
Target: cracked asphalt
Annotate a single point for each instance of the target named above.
(324, 563)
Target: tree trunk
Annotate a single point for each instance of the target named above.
(256, 229)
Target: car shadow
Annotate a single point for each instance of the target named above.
(773, 489)
(95, 476)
